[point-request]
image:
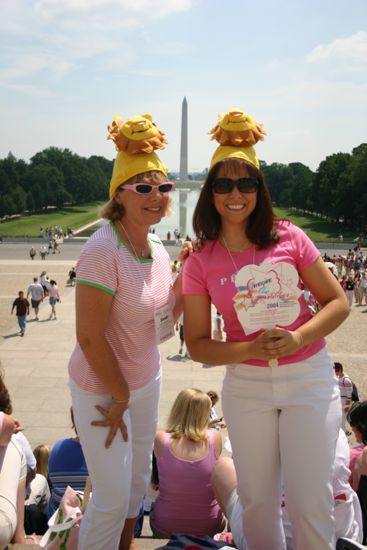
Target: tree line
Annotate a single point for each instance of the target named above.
(337, 190)
(56, 177)
(53, 177)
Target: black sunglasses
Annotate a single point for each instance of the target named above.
(226, 185)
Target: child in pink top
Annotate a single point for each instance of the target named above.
(280, 397)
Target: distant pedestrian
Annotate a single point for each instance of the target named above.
(36, 292)
(180, 329)
(218, 330)
(32, 253)
(346, 390)
(54, 297)
(72, 277)
(22, 310)
(43, 252)
(349, 290)
(45, 283)
(56, 247)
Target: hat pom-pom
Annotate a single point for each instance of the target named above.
(136, 135)
(238, 129)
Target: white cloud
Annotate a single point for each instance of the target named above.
(353, 48)
(57, 36)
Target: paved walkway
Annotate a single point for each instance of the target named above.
(36, 366)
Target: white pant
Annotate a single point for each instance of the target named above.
(285, 416)
(13, 468)
(120, 474)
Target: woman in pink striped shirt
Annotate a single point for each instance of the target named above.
(125, 305)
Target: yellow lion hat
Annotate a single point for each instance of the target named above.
(236, 132)
(135, 139)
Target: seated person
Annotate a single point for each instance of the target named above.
(37, 491)
(66, 466)
(214, 421)
(42, 455)
(360, 469)
(186, 454)
(13, 471)
(357, 418)
(348, 517)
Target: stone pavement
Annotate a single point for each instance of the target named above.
(36, 366)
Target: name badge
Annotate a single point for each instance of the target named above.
(267, 296)
(164, 324)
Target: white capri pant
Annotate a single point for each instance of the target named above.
(287, 417)
(120, 474)
(13, 468)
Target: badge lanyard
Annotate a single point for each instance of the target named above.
(163, 316)
(272, 362)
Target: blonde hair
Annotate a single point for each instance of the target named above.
(42, 454)
(189, 415)
(113, 211)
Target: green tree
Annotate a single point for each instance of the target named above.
(328, 181)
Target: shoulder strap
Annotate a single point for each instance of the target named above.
(167, 439)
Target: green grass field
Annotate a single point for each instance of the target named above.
(71, 216)
(318, 229)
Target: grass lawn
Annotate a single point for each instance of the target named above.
(318, 229)
(71, 216)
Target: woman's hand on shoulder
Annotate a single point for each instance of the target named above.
(113, 420)
(188, 247)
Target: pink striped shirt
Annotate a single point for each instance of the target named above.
(139, 287)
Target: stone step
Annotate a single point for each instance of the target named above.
(143, 543)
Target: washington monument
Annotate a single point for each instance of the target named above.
(183, 153)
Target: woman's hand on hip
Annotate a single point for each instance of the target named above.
(113, 420)
(278, 342)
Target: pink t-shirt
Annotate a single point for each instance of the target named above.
(210, 272)
(138, 287)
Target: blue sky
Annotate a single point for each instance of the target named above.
(299, 67)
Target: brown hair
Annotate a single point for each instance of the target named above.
(260, 229)
(113, 211)
(213, 395)
(5, 401)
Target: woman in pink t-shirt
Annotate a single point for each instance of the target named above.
(280, 396)
(126, 305)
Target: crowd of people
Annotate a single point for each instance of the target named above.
(351, 272)
(280, 394)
